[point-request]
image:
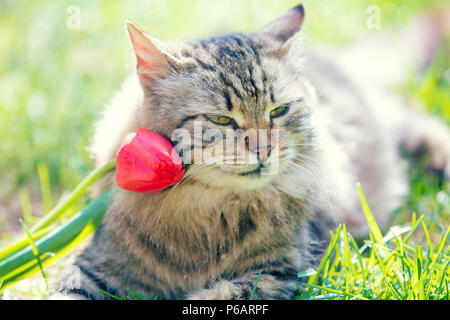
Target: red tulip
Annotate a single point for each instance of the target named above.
(147, 163)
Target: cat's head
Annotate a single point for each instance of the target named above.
(247, 84)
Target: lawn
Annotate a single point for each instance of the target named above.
(56, 76)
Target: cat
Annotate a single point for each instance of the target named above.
(212, 235)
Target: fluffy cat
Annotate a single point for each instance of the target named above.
(211, 235)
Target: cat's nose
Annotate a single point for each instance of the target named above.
(263, 153)
(261, 147)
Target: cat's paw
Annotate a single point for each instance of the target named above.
(223, 290)
(61, 296)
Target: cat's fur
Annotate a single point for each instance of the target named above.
(210, 236)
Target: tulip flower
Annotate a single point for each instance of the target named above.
(147, 163)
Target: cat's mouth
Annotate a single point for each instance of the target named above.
(253, 172)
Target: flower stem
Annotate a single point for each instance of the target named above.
(72, 197)
(22, 262)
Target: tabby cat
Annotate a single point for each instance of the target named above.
(210, 236)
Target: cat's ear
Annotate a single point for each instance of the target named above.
(152, 56)
(287, 25)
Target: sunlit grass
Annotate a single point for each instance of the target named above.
(396, 266)
(389, 268)
(55, 81)
(19, 261)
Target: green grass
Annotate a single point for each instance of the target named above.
(19, 262)
(393, 267)
(54, 82)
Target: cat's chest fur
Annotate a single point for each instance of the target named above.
(203, 232)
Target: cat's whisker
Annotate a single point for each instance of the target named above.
(319, 183)
(304, 145)
(200, 169)
(302, 155)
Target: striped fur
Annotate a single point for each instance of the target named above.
(212, 234)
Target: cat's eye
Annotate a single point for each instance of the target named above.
(280, 111)
(221, 120)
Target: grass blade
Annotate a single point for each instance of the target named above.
(72, 197)
(45, 187)
(58, 238)
(369, 217)
(332, 245)
(254, 287)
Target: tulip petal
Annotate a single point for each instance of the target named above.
(147, 163)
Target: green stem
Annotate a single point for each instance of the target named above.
(71, 198)
(56, 239)
(16, 246)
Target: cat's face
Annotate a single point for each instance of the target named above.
(236, 107)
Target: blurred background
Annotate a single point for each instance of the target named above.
(61, 61)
